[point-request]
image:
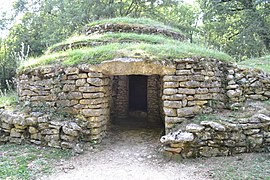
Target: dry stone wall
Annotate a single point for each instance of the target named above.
(201, 86)
(120, 97)
(224, 138)
(41, 129)
(92, 95)
(243, 84)
(196, 87)
(73, 91)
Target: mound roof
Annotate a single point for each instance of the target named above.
(123, 38)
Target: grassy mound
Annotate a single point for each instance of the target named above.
(262, 63)
(95, 48)
(102, 39)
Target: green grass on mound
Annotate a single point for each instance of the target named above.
(114, 38)
(135, 21)
(262, 63)
(95, 55)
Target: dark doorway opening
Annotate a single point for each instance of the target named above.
(138, 93)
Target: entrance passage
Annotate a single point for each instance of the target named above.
(138, 93)
(136, 100)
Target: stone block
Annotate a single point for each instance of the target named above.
(170, 84)
(96, 81)
(177, 137)
(194, 128)
(216, 126)
(232, 86)
(83, 75)
(63, 103)
(6, 126)
(183, 72)
(36, 136)
(174, 97)
(80, 82)
(234, 93)
(214, 90)
(32, 130)
(75, 95)
(95, 75)
(94, 101)
(92, 89)
(31, 121)
(175, 78)
(43, 119)
(15, 133)
(70, 131)
(98, 119)
(69, 87)
(188, 111)
(50, 131)
(186, 91)
(93, 95)
(202, 91)
(197, 78)
(197, 103)
(251, 131)
(189, 84)
(170, 112)
(169, 91)
(173, 104)
(72, 77)
(94, 112)
(71, 70)
(203, 96)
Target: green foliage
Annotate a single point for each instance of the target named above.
(262, 63)
(28, 161)
(240, 28)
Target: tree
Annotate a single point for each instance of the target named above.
(239, 27)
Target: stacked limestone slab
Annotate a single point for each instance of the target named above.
(69, 91)
(201, 86)
(209, 138)
(246, 84)
(40, 129)
(196, 87)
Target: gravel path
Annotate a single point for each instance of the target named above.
(126, 153)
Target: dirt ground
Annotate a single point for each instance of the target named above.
(128, 152)
(131, 150)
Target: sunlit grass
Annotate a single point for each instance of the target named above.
(94, 55)
(112, 38)
(8, 98)
(262, 63)
(28, 161)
